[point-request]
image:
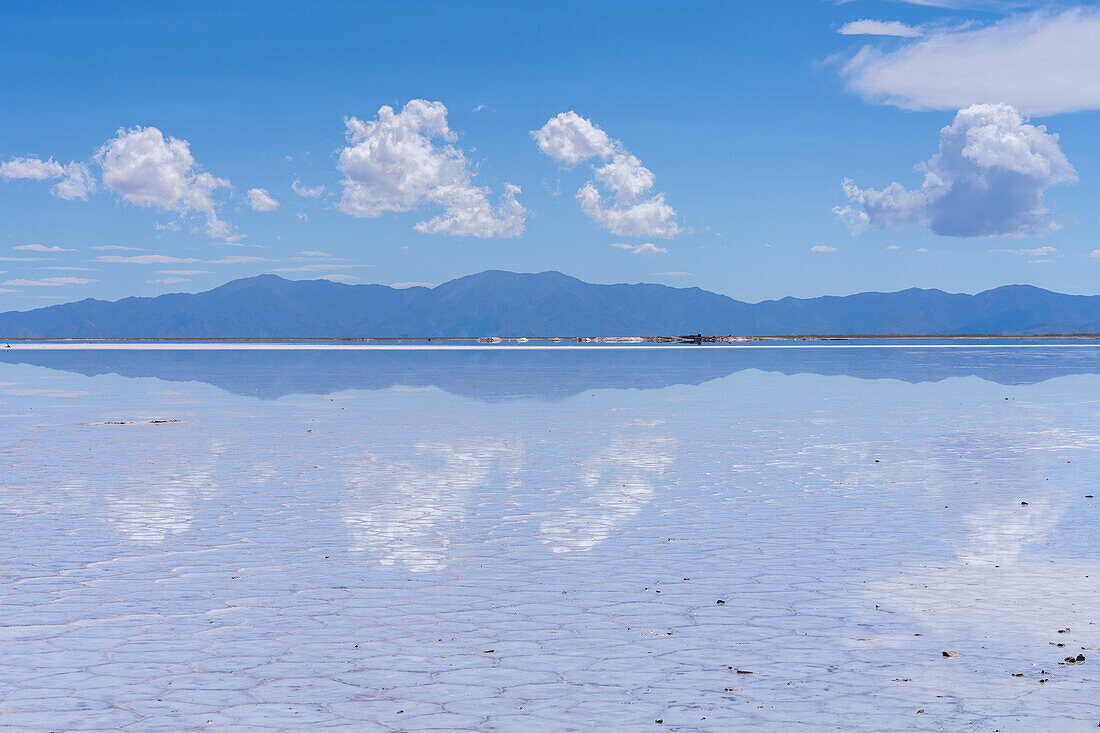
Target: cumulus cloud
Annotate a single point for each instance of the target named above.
(642, 249)
(631, 211)
(822, 248)
(987, 179)
(145, 168)
(40, 248)
(74, 180)
(260, 200)
(1041, 63)
(570, 139)
(879, 28)
(49, 282)
(403, 160)
(305, 192)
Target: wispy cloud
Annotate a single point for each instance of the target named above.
(1036, 252)
(144, 259)
(642, 249)
(48, 282)
(879, 28)
(236, 260)
(41, 248)
(306, 192)
(260, 200)
(822, 248)
(1041, 63)
(318, 267)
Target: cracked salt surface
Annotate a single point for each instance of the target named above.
(414, 560)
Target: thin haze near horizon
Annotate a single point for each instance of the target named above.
(757, 150)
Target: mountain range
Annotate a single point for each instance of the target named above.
(499, 303)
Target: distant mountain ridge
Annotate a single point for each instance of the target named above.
(500, 303)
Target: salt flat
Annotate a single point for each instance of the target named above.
(764, 546)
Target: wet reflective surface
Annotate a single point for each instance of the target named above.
(550, 541)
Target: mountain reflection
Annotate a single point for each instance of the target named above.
(503, 374)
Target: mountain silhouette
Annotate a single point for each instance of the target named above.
(499, 303)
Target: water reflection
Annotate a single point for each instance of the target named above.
(406, 511)
(1000, 499)
(613, 485)
(496, 375)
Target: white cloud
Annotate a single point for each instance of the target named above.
(338, 278)
(394, 163)
(822, 248)
(307, 193)
(569, 139)
(988, 178)
(236, 260)
(893, 247)
(314, 253)
(69, 269)
(118, 247)
(879, 28)
(642, 249)
(260, 200)
(145, 168)
(183, 273)
(49, 282)
(1094, 253)
(1041, 63)
(144, 259)
(1036, 252)
(41, 248)
(168, 281)
(76, 182)
(318, 267)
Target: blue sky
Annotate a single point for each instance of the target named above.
(715, 140)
